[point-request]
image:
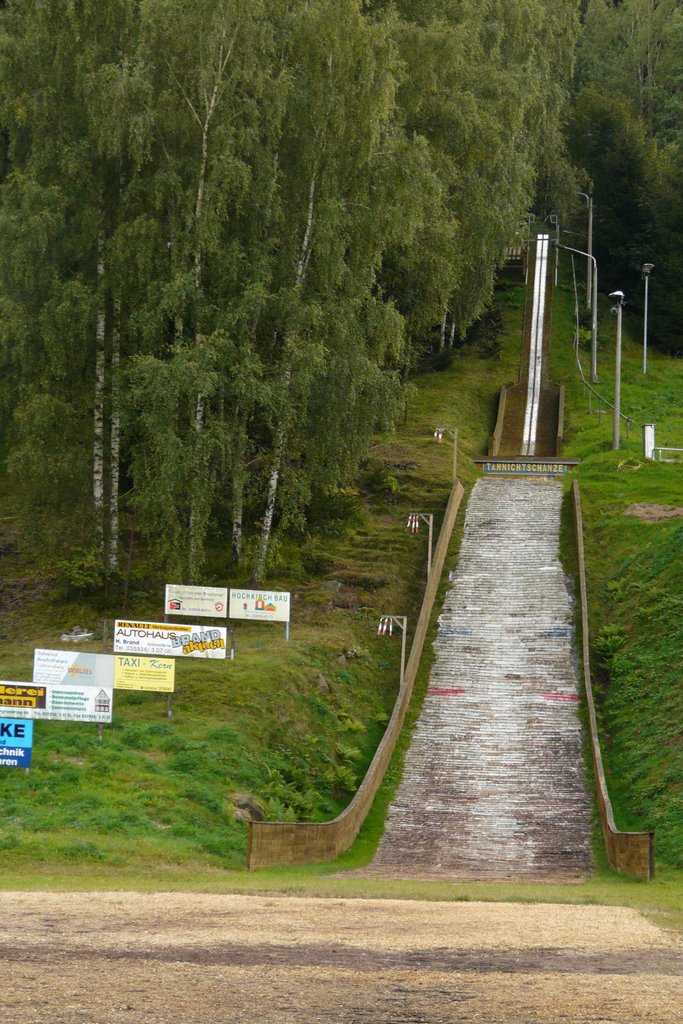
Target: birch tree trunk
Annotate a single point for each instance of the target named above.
(98, 412)
(271, 495)
(115, 440)
(210, 104)
(442, 336)
(238, 482)
(281, 435)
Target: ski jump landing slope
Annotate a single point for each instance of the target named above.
(493, 785)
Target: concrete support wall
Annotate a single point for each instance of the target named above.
(630, 853)
(273, 842)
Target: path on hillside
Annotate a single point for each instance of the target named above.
(172, 958)
(493, 784)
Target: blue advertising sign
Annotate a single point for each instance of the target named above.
(16, 743)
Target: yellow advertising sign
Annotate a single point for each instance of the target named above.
(134, 673)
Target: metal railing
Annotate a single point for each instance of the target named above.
(660, 449)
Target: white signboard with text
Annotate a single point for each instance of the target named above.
(169, 640)
(205, 602)
(259, 605)
(69, 703)
(72, 667)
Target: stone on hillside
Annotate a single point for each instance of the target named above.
(323, 685)
(77, 633)
(249, 806)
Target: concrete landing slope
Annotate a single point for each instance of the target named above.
(493, 783)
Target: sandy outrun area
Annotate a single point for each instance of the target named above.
(106, 958)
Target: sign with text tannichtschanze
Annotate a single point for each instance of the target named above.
(204, 602)
(166, 640)
(259, 605)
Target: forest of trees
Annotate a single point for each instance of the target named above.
(231, 231)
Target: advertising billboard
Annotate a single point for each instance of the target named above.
(259, 605)
(71, 667)
(16, 743)
(203, 602)
(68, 703)
(136, 673)
(169, 640)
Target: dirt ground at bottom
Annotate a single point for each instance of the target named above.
(178, 958)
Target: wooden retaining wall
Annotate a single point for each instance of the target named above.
(559, 438)
(494, 442)
(630, 853)
(272, 843)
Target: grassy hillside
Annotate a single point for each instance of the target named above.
(292, 724)
(635, 569)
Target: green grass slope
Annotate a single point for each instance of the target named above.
(635, 571)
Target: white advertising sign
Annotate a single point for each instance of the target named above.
(69, 703)
(72, 667)
(260, 605)
(206, 602)
(169, 640)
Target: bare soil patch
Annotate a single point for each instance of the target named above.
(653, 513)
(105, 958)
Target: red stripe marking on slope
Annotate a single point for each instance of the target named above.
(435, 691)
(560, 696)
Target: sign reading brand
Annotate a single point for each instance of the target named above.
(135, 673)
(67, 667)
(67, 703)
(260, 605)
(206, 602)
(16, 741)
(164, 640)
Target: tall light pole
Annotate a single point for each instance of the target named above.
(647, 269)
(618, 303)
(589, 246)
(594, 318)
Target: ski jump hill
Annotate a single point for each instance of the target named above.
(493, 785)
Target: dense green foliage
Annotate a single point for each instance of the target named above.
(626, 131)
(291, 724)
(235, 229)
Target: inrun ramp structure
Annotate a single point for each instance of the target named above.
(529, 411)
(493, 784)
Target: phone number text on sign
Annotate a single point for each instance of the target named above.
(174, 641)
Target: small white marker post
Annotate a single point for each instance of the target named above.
(386, 625)
(169, 704)
(413, 525)
(453, 431)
